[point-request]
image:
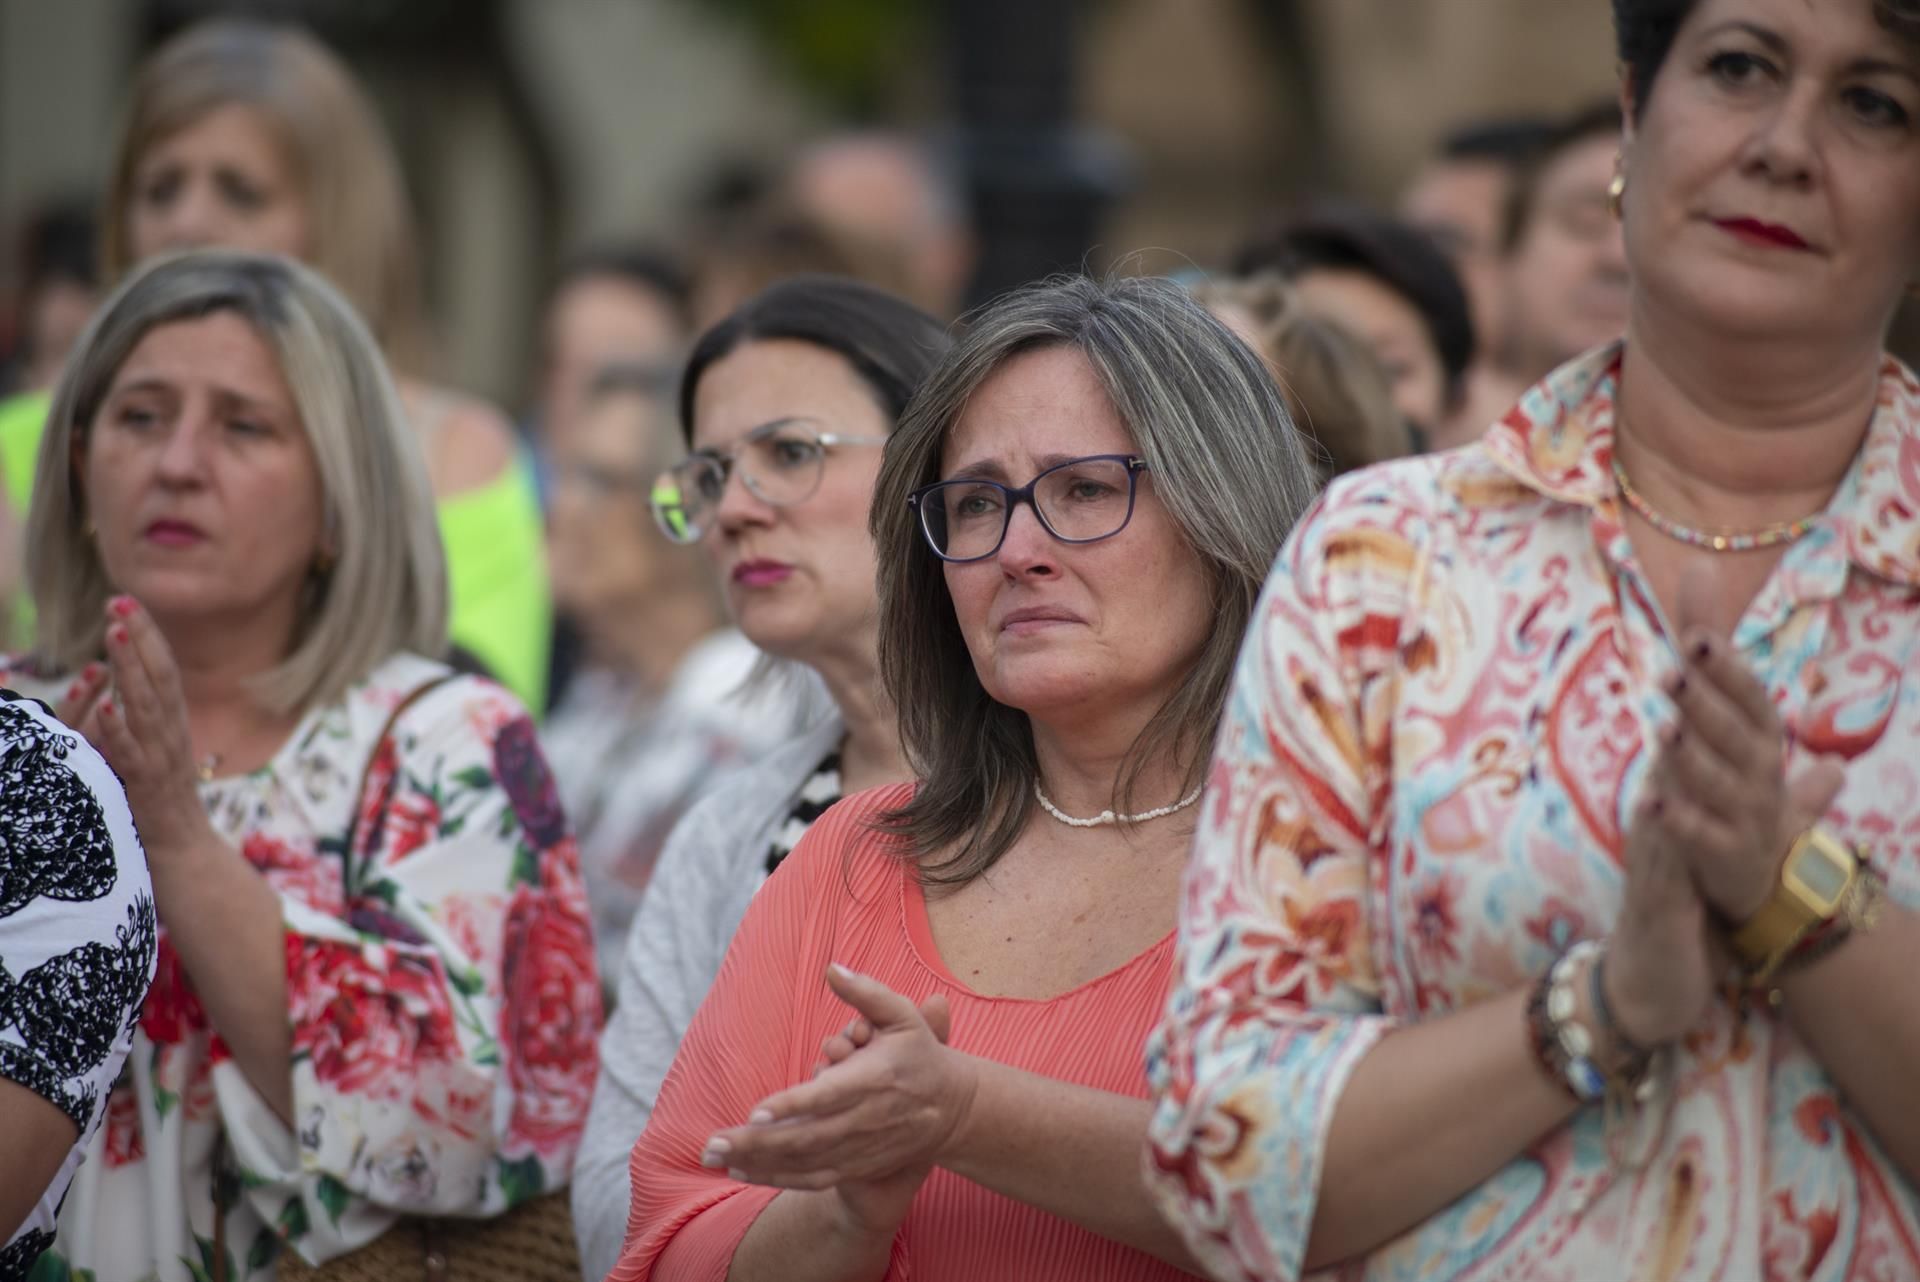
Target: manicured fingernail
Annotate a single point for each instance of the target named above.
(74, 690)
(92, 672)
(117, 634)
(106, 708)
(716, 1153)
(1701, 649)
(759, 1117)
(123, 606)
(841, 972)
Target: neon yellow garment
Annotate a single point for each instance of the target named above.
(497, 580)
(23, 421)
(496, 557)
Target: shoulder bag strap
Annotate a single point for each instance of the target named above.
(360, 797)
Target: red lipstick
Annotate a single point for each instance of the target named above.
(1767, 235)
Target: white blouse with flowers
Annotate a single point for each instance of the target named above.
(441, 993)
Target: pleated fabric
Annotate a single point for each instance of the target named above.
(843, 897)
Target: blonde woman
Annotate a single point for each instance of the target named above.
(375, 992)
(249, 136)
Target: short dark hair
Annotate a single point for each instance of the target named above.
(647, 266)
(1599, 119)
(891, 344)
(1509, 140)
(1644, 31)
(1340, 237)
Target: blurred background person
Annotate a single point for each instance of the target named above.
(253, 136)
(375, 993)
(1564, 264)
(745, 251)
(1461, 196)
(894, 194)
(60, 288)
(785, 406)
(77, 947)
(611, 305)
(1336, 393)
(655, 713)
(1388, 284)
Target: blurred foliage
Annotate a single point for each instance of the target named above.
(849, 52)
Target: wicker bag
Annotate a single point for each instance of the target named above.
(533, 1242)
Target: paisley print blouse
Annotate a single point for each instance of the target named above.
(441, 994)
(1442, 716)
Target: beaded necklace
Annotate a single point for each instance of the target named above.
(1107, 816)
(1711, 540)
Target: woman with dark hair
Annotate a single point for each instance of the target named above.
(1388, 283)
(1556, 917)
(1075, 515)
(785, 405)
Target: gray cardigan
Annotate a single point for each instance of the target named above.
(710, 869)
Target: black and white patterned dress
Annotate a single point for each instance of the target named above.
(816, 796)
(76, 936)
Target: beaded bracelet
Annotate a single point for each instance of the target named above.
(1561, 1043)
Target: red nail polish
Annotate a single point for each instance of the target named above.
(117, 634)
(106, 707)
(123, 606)
(92, 672)
(73, 691)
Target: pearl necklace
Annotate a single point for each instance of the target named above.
(1107, 816)
(1711, 540)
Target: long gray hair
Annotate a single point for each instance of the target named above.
(1203, 410)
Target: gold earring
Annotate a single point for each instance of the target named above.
(1617, 191)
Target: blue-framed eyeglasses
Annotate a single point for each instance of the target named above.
(1082, 500)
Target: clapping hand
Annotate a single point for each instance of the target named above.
(133, 712)
(1734, 807)
(872, 1122)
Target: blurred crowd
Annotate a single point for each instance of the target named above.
(472, 735)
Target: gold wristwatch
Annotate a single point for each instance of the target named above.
(1814, 880)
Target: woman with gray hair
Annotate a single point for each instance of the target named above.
(375, 991)
(1076, 514)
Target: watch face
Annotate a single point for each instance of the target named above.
(1823, 877)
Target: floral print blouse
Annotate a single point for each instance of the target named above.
(1442, 717)
(441, 991)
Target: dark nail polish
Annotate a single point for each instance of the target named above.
(1701, 649)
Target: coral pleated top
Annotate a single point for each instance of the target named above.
(842, 897)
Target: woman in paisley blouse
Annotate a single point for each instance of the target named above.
(375, 992)
(1502, 952)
